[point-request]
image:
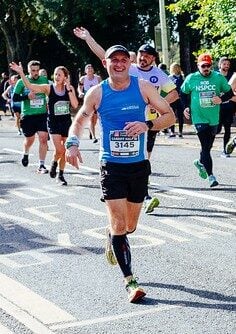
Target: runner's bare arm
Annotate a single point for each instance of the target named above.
(84, 34)
(43, 88)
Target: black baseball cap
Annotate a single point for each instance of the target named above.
(116, 48)
(149, 49)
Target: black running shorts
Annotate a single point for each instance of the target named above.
(33, 123)
(59, 125)
(125, 180)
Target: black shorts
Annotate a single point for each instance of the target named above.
(125, 180)
(16, 109)
(33, 123)
(151, 137)
(59, 126)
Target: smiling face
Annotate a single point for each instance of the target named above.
(145, 60)
(117, 65)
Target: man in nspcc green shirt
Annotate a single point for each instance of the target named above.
(34, 115)
(207, 89)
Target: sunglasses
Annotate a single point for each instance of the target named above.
(205, 66)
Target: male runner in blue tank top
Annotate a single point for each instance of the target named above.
(121, 103)
(144, 69)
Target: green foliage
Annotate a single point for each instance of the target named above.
(216, 22)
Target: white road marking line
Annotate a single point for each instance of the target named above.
(3, 201)
(23, 317)
(215, 222)
(32, 303)
(15, 151)
(192, 229)
(18, 219)
(36, 259)
(5, 330)
(85, 177)
(64, 240)
(149, 241)
(38, 211)
(24, 193)
(162, 233)
(161, 194)
(191, 193)
(89, 169)
(122, 316)
(61, 190)
(222, 208)
(87, 209)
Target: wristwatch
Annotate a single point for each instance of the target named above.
(149, 124)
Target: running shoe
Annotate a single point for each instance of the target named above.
(110, 256)
(225, 155)
(61, 180)
(212, 180)
(53, 169)
(135, 293)
(42, 170)
(231, 145)
(25, 160)
(201, 169)
(150, 203)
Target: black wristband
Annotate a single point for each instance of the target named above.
(149, 124)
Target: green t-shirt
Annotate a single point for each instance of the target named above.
(202, 89)
(35, 106)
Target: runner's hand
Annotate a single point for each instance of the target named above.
(81, 33)
(133, 129)
(73, 156)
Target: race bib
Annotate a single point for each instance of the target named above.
(206, 99)
(122, 145)
(61, 108)
(36, 103)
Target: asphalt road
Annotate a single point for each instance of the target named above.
(53, 274)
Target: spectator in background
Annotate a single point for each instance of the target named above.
(43, 72)
(133, 57)
(177, 77)
(163, 67)
(3, 86)
(14, 106)
(227, 109)
(87, 81)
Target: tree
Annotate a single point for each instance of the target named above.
(215, 22)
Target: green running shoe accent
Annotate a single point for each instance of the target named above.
(150, 204)
(135, 293)
(201, 169)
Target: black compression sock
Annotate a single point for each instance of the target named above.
(122, 252)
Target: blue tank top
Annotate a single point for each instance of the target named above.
(118, 107)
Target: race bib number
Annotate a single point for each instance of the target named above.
(206, 99)
(36, 103)
(122, 145)
(61, 108)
